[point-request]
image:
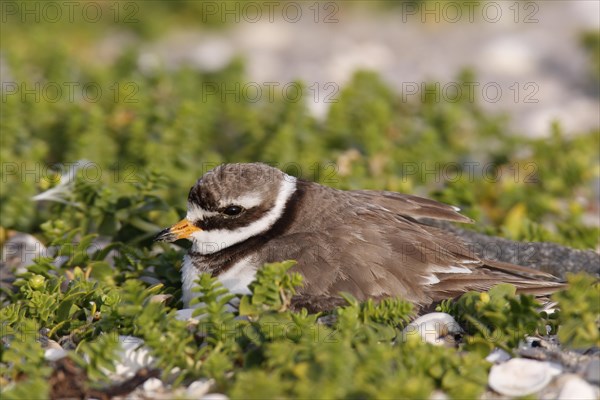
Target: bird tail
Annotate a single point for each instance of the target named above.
(526, 279)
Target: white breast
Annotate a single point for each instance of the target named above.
(189, 274)
(236, 279)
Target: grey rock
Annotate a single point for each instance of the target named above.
(592, 372)
(553, 258)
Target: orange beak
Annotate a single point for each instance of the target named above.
(181, 230)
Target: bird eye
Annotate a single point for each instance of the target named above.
(233, 210)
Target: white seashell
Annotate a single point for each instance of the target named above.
(19, 251)
(152, 385)
(576, 388)
(185, 315)
(60, 193)
(433, 328)
(520, 376)
(132, 357)
(54, 354)
(160, 298)
(498, 356)
(438, 395)
(199, 388)
(214, 396)
(554, 369)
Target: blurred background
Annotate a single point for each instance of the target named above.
(489, 105)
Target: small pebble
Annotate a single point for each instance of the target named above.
(535, 353)
(328, 320)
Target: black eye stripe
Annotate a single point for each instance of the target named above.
(224, 221)
(232, 210)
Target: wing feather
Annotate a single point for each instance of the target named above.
(371, 245)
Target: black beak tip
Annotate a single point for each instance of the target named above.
(164, 236)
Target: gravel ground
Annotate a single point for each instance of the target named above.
(528, 62)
